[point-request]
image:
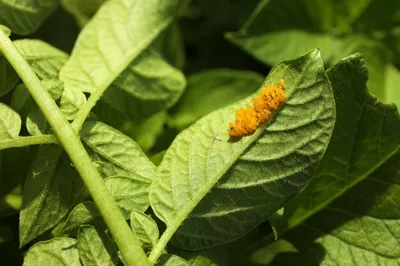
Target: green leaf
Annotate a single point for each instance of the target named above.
(201, 261)
(275, 46)
(145, 131)
(170, 44)
(82, 10)
(171, 260)
(22, 101)
(36, 123)
(364, 137)
(71, 102)
(83, 213)
(118, 33)
(54, 86)
(45, 59)
(266, 253)
(392, 91)
(54, 252)
(25, 17)
(8, 77)
(386, 10)
(335, 15)
(359, 228)
(10, 123)
(48, 193)
(210, 90)
(148, 85)
(129, 193)
(271, 42)
(257, 173)
(115, 153)
(376, 59)
(6, 30)
(12, 202)
(145, 228)
(95, 247)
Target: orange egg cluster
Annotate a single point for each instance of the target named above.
(268, 101)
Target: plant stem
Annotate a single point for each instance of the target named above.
(85, 110)
(127, 242)
(27, 141)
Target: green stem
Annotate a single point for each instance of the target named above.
(27, 141)
(127, 242)
(85, 110)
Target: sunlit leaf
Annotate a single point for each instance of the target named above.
(222, 188)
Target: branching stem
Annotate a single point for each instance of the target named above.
(127, 242)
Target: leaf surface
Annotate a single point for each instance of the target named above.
(36, 123)
(365, 136)
(115, 153)
(129, 193)
(359, 228)
(48, 193)
(84, 213)
(24, 17)
(96, 247)
(230, 186)
(118, 33)
(145, 228)
(210, 90)
(8, 77)
(10, 123)
(55, 252)
(171, 260)
(148, 85)
(270, 41)
(44, 58)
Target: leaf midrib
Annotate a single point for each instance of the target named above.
(19, 7)
(203, 192)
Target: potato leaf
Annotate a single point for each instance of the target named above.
(84, 213)
(210, 90)
(71, 102)
(24, 17)
(116, 154)
(171, 260)
(118, 33)
(48, 192)
(36, 123)
(55, 252)
(96, 247)
(360, 227)
(357, 148)
(8, 77)
(223, 188)
(129, 193)
(10, 123)
(145, 228)
(44, 58)
(148, 85)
